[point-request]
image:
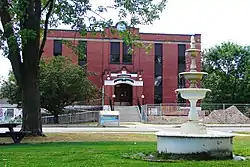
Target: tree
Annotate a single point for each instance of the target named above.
(25, 24)
(228, 67)
(61, 84)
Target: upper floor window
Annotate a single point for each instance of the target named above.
(115, 52)
(57, 47)
(181, 57)
(158, 53)
(82, 52)
(181, 50)
(158, 58)
(127, 54)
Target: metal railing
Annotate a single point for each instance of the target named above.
(83, 117)
(154, 111)
(222, 106)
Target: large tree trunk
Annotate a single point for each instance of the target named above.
(26, 66)
(30, 71)
(31, 104)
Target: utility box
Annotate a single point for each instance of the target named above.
(109, 118)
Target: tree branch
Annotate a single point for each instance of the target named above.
(47, 4)
(97, 14)
(14, 52)
(46, 24)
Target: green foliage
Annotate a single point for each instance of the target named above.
(228, 67)
(79, 50)
(104, 154)
(61, 84)
(81, 15)
(10, 90)
(25, 26)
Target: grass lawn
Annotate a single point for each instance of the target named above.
(100, 150)
(246, 133)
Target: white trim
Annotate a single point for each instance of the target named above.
(117, 40)
(111, 83)
(116, 74)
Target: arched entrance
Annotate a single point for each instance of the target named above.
(123, 94)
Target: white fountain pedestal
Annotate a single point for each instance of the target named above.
(212, 145)
(193, 139)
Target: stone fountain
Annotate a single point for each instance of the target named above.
(193, 139)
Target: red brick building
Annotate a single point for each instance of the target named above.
(150, 77)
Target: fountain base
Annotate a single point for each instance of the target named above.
(212, 145)
(193, 127)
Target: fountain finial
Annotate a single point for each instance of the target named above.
(192, 43)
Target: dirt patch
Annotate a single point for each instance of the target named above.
(230, 116)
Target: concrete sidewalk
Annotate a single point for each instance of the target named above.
(139, 128)
(139, 124)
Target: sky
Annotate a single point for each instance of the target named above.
(216, 20)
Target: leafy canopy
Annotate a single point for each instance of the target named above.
(81, 15)
(25, 25)
(228, 67)
(61, 84)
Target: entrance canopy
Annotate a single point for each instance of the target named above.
(123, 81)
(123, 87)
(123, 76)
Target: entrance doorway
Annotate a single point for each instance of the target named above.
(123, 95)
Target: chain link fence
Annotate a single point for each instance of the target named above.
(177, 113)
(73, 118)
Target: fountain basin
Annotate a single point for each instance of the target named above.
(197, 76)
(193, 93)
(193, 52)
(212, 145)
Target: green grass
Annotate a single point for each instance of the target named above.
(102, 154)
(245, 133)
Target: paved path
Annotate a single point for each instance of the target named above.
(136, 128)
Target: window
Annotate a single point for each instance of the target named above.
(181, 50)
(181, 60)
(158, 81)
(10, 113)
(57, 47)
(181, 57)
(158, 49)
(115, 52)
(82, 52)
(158, 90)
(158, 73)
(181, 68)
(127, 55)
(181, 82)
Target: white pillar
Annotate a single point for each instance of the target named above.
(193, 115)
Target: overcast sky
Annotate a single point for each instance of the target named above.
(215, 20)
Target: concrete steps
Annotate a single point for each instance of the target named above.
(128, 113)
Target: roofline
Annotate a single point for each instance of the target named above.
(67, 30)
(139, 32)
(171, 34)
(120, 40)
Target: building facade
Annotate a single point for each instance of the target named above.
(128, 77)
